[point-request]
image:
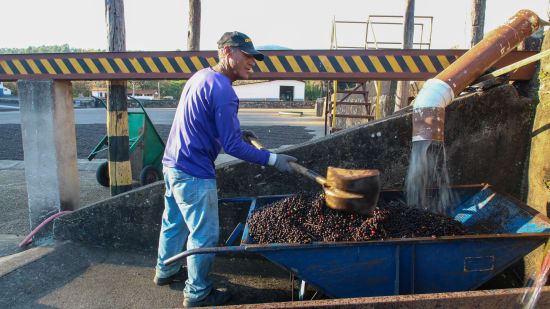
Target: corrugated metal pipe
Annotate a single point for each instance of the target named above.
(438, 92)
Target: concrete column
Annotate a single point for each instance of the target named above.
(49, 145)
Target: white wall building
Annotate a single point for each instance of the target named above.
(99, 92)
(275, 90)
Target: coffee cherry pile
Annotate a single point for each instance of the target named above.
(305, 218)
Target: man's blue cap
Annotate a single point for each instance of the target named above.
(242, 42)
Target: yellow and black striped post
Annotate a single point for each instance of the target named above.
(120, 172)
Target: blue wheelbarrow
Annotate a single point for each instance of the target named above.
(506, 231)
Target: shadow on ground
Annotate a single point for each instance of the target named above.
(73, 276)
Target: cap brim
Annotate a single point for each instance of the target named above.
(257, 55)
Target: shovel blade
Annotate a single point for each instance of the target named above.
(362, 188)
(361, 205)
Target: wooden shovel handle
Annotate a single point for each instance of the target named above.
(297, 167)
(308, 173)
(255, 143)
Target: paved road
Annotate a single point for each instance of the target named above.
(9, 107)
(159, 116)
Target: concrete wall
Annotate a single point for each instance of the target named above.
(89, 102)
(486, 139)
(276, 104)
(132, 220)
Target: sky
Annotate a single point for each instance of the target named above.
(162, 25)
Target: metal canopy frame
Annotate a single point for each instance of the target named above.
(423, 20)
(375, 20)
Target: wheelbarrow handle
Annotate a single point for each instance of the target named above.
(295, 166)
(208, 250)
(240, 249)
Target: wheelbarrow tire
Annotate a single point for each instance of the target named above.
(102, 174)
(149, 174)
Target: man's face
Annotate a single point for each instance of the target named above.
(241, 64)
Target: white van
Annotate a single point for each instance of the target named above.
(4, 90)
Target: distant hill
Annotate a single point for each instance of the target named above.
(272, 47)
(65, 48)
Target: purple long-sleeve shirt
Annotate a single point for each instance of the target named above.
(206, 120)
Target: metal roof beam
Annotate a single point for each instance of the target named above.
(360, 64)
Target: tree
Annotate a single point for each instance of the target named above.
(171, 88)
(402, 95)
(82, 87)
(478, 21)
(194, 33)
(314, 89)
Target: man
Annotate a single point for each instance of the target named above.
(205, 120)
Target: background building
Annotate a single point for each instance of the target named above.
(138, 94)
(275, 90)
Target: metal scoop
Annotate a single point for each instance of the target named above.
(355, 191)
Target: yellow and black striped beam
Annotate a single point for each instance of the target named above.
(384, 64)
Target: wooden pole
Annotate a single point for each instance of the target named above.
(478, 21)
(402, 95)
(194, 33)
(408, 24)
(120, 173)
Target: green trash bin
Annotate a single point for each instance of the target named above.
(146, 149)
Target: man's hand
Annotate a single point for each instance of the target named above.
(281, 163)
(246, 134)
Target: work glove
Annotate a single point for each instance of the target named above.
(281, 163)
(246, 135)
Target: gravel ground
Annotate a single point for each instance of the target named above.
(89, 135)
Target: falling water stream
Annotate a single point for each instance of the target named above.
(428, 168)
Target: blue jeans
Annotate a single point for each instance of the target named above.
(190, 212)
